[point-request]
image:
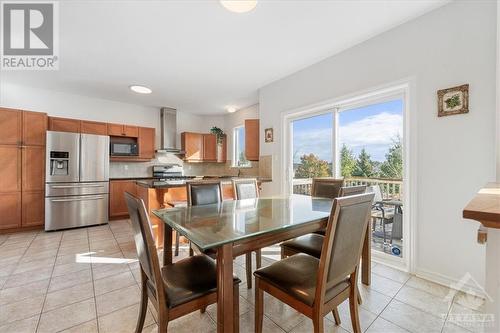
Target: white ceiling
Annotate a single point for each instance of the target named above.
(199, 57)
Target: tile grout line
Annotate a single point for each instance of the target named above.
(388, 303)
(17, 262)
(93, 282)
(48, 285)
(130, 269)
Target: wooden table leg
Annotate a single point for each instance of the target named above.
(366, 257)
(225, 293)
(167, 246)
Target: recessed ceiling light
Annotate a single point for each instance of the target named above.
(231, 109)
(140, 89)
(239, 6)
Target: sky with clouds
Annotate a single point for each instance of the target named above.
(372, 127)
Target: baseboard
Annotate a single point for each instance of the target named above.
(21, 229)
(467, 284)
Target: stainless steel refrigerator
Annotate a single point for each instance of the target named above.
(77, 180)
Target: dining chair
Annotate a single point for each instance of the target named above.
(313, 286)
(206, 192)
(177, 289)
(352, 190)
(312, 243)
(326, 187)
(248, 188)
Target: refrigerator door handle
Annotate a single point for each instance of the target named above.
(76, 186)
(76, 199)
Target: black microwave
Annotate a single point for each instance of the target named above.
(123, 147)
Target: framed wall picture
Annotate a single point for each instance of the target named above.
(268, 135)
(453, 100)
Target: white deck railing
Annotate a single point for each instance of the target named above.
(391, 188)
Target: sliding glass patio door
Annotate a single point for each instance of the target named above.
(361, 142)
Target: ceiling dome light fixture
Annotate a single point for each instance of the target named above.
(140, 89)
(231, 109)
(239, 6)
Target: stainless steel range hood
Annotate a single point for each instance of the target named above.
(168, 129)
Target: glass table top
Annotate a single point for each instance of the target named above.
(210, 226)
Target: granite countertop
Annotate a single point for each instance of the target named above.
(151, 183)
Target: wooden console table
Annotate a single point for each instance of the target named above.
(485, 208)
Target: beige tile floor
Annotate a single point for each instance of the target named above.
(86, 280)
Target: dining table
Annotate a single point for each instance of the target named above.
(236, 227)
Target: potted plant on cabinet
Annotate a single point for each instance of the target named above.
(219, 134)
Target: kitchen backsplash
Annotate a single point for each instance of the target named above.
(262, 168)
(219, 169)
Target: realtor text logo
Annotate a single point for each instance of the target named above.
(29, 36)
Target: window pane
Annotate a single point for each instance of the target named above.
(312, 150)
(370, 141)
(371, 154)
(239, 147)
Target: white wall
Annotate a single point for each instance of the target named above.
(455, 155)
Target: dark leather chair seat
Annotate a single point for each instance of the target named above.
(310, 244)
(189, 279)
(296, 276)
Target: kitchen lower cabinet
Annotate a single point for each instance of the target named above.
(33, 209)
(10, 210)
(117, 204)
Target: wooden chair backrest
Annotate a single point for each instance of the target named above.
(212, 190)
(245, 188)
(144, 243)
(326, 187)
(352, 190)
(345, 233)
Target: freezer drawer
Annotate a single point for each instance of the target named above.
(64, 189)
(75, 211)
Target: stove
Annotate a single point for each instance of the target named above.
(170, 173)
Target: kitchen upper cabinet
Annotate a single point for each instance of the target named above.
(10, 127)
(34, 128)
(192, 144)
(94, 127)
(203, 147)
(64, 125)
(10, 169)
(115, 130)
(209, 148)
(33, 209)
(131, 131)
(33, 168)
(10, 210)
(117, 203)
(123, 130)
(146, 142)
(252, 139)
